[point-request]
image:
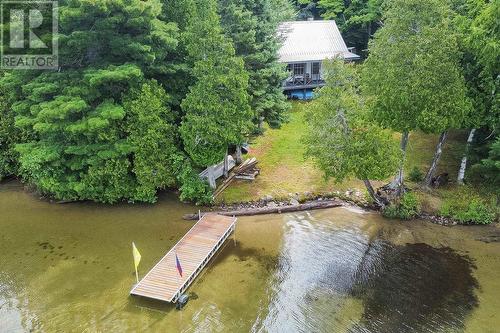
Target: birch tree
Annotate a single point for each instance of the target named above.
(412, 74)
(340, 137)
(478, 24)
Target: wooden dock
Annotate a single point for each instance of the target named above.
(194, 251)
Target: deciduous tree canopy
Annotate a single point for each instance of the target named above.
(341, 138)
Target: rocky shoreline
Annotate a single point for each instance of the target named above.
(352, 197)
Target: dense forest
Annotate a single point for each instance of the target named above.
(146, 93)
(149, 92)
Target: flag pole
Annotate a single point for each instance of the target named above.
(178, 277)
(234, 231)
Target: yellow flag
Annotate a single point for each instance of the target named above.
(137, 256)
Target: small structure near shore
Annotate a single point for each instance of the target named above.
(246, 171)
(214, 172)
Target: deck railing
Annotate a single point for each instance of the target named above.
(303, 81)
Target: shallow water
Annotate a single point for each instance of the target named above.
(68, 268)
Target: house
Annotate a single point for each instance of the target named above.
(305, 45)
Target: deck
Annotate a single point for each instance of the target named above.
(293, 84)
(194, 251)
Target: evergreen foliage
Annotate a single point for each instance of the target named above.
(252, 25)
(487, 171)
(477, 21)
(217, 112)
(87, 118)
(479, 30)
(103, 127)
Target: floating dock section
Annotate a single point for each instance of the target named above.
(194, 251)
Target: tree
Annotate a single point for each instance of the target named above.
(412, 83)
(153, 137)
(306, 9)
(217, 112)
(178, 76)
(488, 169)
(357, 19)
(8, 135)
(479, 28)
(340, 137)
(87, 119)
(252, 25)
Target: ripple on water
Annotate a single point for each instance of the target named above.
(334, 278)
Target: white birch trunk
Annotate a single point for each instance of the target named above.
(372, 193)
(463, 164)
(435, 159)
(397, 183)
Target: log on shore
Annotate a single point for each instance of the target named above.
(272, 210)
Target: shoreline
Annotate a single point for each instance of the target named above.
(269, 205)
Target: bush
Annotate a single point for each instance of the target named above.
(193, 188)
(415, 175)
(465, 210)
(407, 208)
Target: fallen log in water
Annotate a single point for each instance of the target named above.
(272, 210)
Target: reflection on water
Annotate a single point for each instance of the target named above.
(68, 268)
(414, 288)
(337, 277)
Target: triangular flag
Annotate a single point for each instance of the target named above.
(137, 256)
(178, 265)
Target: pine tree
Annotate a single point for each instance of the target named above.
(217, 112)
(252, 26)
(84, 138)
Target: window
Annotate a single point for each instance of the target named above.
(315, 67)
(298, 69)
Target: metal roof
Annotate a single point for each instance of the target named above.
(312, 41)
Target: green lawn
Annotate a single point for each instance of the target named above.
(284, 170)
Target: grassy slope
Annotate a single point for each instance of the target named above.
(284, 170)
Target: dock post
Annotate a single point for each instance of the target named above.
(234, 230)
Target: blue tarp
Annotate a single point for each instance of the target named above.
(301, 94)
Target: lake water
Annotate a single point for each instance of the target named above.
(68, 268)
